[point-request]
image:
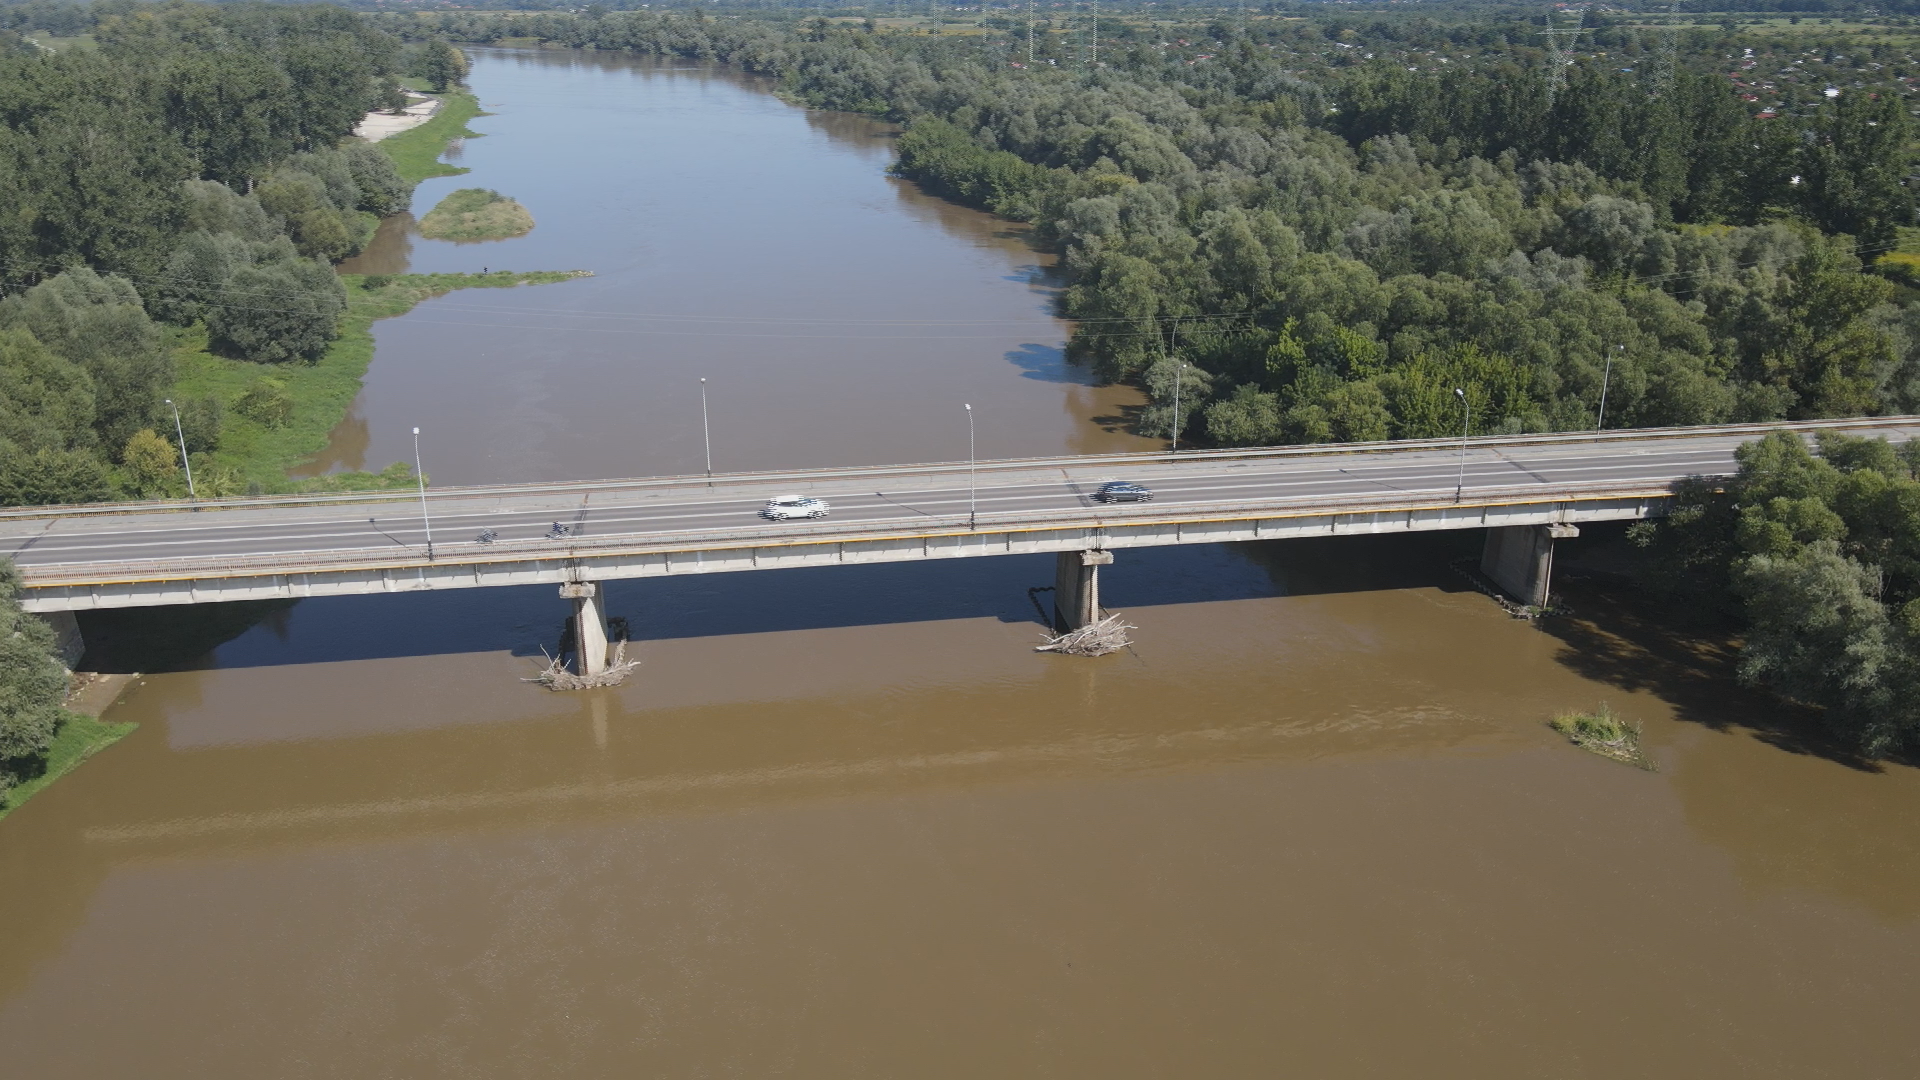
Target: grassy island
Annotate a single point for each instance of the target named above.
(1601, 732)
(472, 214)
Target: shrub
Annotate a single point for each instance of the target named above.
(266, 402)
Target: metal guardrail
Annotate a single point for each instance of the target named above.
(350, 560)
(1093, 461)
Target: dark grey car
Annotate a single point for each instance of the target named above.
(1123, 491)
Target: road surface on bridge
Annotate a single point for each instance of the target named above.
(56, 542)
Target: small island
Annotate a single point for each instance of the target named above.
(476, 214)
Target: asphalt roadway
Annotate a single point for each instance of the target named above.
(912, 496)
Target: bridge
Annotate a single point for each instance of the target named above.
(1525, 490)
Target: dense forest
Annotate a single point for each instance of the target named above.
(186, 166)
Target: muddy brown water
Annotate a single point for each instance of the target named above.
(838, 315)
(846, 824)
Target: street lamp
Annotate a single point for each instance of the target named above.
(1466, 421)
(971, 520)
(1182, 366)
(188, 465)
(1605, 378)
(421, 477)
(706, 433)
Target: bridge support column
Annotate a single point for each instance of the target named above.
(589, 627)
(66, 632)
(1519, 559)
(1076, 588)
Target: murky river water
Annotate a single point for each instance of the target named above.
(846, 824)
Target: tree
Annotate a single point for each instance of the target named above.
(441, 65)
(277, 313)
(32, 684)
(46, 401)
(99, 324)
(152, 463)
(45, 477)
(1857, 167)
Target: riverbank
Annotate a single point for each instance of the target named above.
(79, 738)
(416, 152)
(254, 456)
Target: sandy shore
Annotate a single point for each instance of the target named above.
(379, 125)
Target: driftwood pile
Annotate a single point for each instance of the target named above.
(555, 675)
(1094, 639)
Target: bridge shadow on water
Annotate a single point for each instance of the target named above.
(524, 620)
(1621, 631)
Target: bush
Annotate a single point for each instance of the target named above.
(151, 463)
(42, 477)
(271, 314)
(266, 402)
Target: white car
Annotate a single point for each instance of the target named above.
(782, 507)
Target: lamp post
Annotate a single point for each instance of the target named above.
(184, 463)
(1605, 378)
(971, 519)
(706, 433)
(1180, 367)
(421, 477)
(1466, 421)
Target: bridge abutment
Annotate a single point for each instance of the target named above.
(1076, 588)
(1519, 559)
(66, 633)
(589, 627)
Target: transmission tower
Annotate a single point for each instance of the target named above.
(1560, 43)
(1666, 64)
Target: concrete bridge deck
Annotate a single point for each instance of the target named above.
(125, 555)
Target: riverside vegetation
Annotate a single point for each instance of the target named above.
(178, 193)
(1601, 732)
(39, 741)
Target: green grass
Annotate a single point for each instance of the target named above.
(79, 738)
(1601, 732)
(252, 453)
(416, 153)
(476, 214)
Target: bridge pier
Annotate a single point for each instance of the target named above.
(589, 627)
(1076, 588)
(1519, 559)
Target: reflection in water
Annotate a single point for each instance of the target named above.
(845, 823)
(391, 249)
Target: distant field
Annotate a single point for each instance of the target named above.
(57, 44)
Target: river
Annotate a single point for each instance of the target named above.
(845, 823)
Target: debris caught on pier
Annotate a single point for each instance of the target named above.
(1094, 639)
(555, 675)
